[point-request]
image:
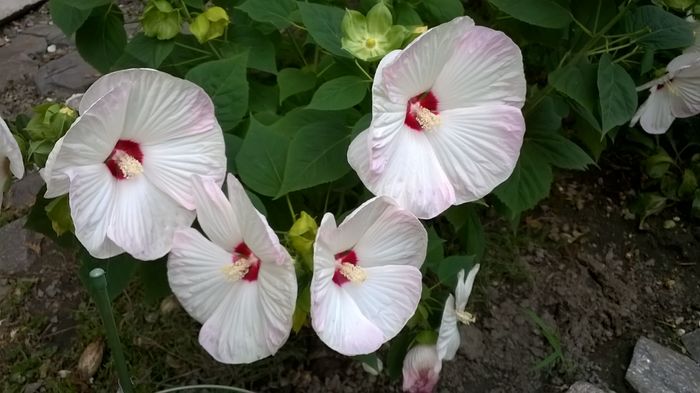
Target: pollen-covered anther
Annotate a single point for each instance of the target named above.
(352, 272)
(465, 317)
(237, 270)
(128, 165)
(427, 119)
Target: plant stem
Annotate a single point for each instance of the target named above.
(192, 48)
(363, 71)
(213, 49)
(298, 49)
(187, 12)
(291, 208)
(98, 283)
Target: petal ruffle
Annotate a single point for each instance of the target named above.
(215, 214)
(448, 335)
(478, 148)
(464, 287)
(654, 114)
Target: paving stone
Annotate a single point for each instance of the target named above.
(51, 33)
(9, 8)
(16, 60)
(66, 75)
(17, 247)
(22, 194)
(657, 369)
(692, 344)
(584, 387)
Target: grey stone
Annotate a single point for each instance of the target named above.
(16, 60)
(22, 194)
(584, 387)
(692, 344)
(17, 247)
(657, 369)
(66, 75)
(472, 342)
(51, 33)
(10, 8)
(32, 387)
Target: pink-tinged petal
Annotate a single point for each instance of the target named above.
(417, 67)
(256, 232)
(329, 242)
(388, 297)
(421, 369)
(195, 273)
(685, 96)
(89, 141)
(278, 295)
(464, 287)
(10, 150)
(144, 219)
(478, 148)
(448, 335)
(91, 203)
(486, 68)
(654, 114)
(413, 176)
(386, 234)
(215, 214)
(685, 65)
(338, 321)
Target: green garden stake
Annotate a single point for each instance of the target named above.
(98, 284)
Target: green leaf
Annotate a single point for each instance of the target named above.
(444, 10)
(435, 252)
(66, 17)
(618, 94)
(270, 11)
(261, 49)
(529, 183)
(233, 146)
(262, 159)
(465, 221)
(86, 4)
(543, 13)
(323, 23)
(559, 151)
(118, 271)
(293, 81)
(688, 185)
(406, 15)
(695, 207)
(225, 82)
(340, 93)
(317, 155)
(665, 30)
(578, 82)
(150, 51)
(38, 221)
(398, 347)
(58, 211)
(450, 267)
(658, 164)
(101, 39)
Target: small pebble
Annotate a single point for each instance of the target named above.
(51, 48)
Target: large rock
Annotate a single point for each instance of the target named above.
(19, 247)
(17, 57)
(584, 387)
(65, 76)
(692, 344)
(51, 33)
(22, 194)
(9, 8)
(657, 369)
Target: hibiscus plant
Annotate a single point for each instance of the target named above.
(352, 139)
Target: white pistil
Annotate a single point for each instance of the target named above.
(465, 317)
(237, 270)
(352, 272)
(129, 166)
(427, 119)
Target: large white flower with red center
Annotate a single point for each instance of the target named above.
(446, 121)
(126, 162)
(421, 369)
(10, 157)
(366, 283)
(674, 95)
(240, 283)
(454, 311)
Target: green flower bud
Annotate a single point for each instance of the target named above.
(371, 38)
(680, 5)
(301, 237)
(161, 20)
(210, 24)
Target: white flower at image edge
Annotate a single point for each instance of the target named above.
(421, 369)
(126, 162)
(454, 311)
(446, 121)
(10, 157)
(366, 282)
(674, 95)
(240, 283)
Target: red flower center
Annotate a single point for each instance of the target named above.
(243, 255)
(126, 159)
(422, 112)
(344, 257)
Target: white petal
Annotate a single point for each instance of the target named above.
(421, 369)
(448, 336)
(10, 150)
(278, 295)
(89, 141)
(257, 234)
(358, 153)
(413, 176)
(655, 113)
(486, 68)
(329, 242)
(684, 65)
(388, 297)
(215, 214)
(478, 148)
(464, 287)
(144, 219)
(417, 67)
(195, 273)
(91, 203)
